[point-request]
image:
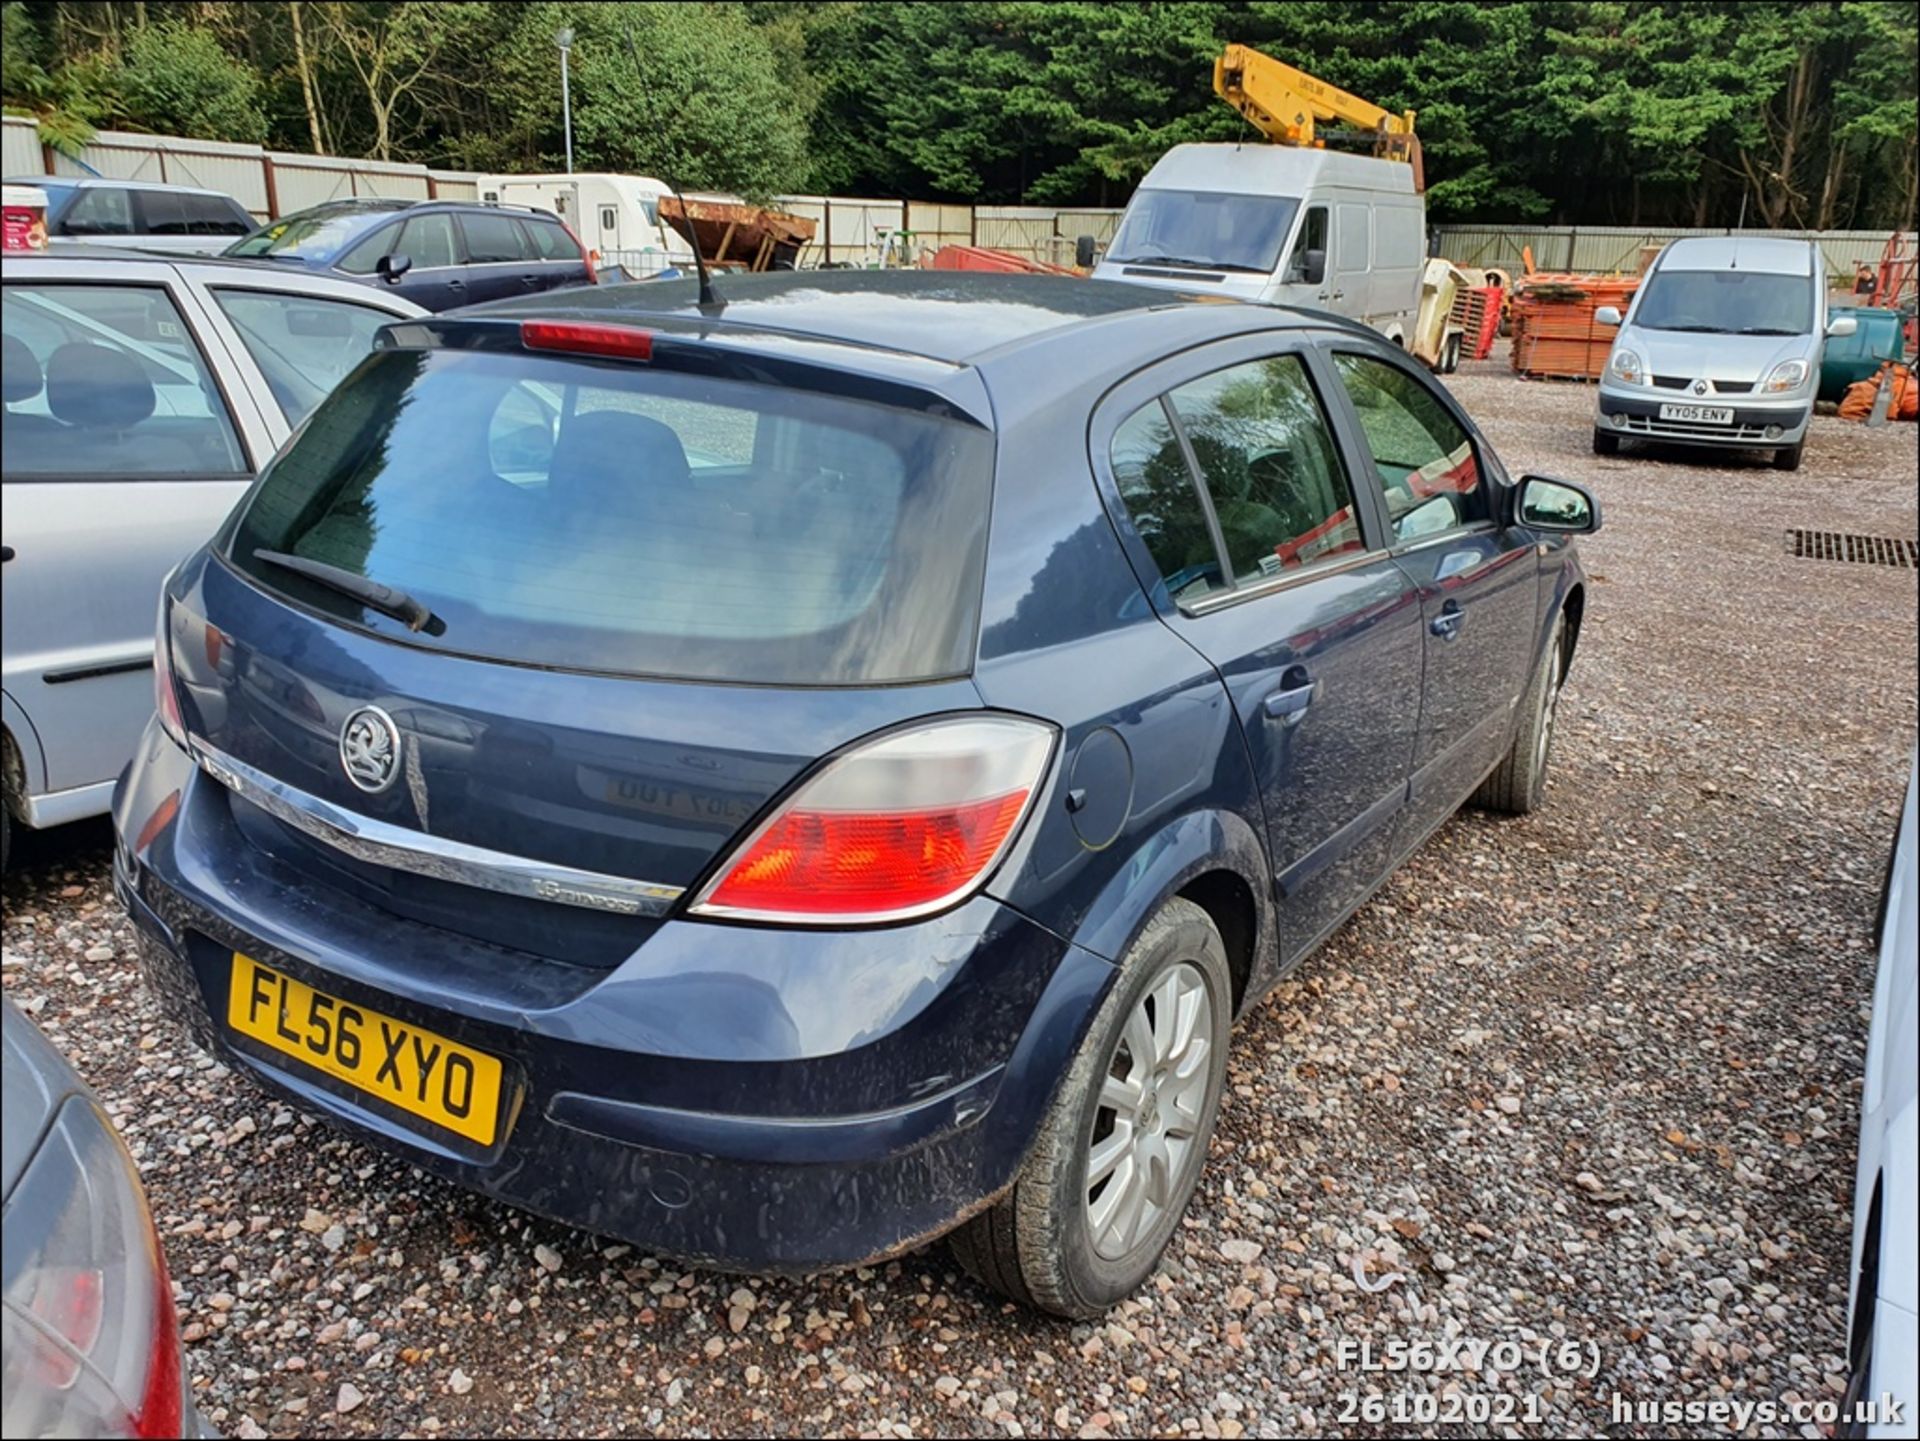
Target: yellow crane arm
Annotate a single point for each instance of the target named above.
(1283, 103)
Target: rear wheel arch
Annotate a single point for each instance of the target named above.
(1217, 855)
(1228, 900)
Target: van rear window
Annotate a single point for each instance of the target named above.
(629, 519)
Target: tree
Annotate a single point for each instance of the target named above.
(392, 51)
(695, 98)
(172, 79)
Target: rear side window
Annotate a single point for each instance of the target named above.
(302, 344)
(162, 212)
(637, 520)
(550, 242)
(1424, 460)
(1271, 466)
(1164, 504)
(216, 215)
(106, 380)
(492, 239)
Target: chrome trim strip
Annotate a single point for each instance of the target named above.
(379, 843)
(1253, 590)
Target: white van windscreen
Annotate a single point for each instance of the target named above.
(1199, 229)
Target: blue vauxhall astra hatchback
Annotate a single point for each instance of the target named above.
(779, 781)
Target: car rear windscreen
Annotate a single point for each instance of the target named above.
(632, 519)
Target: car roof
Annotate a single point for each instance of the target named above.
(1767, 254)
(955, 317)
(73, 261)
(88, 182)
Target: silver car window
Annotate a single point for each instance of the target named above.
(107, 380)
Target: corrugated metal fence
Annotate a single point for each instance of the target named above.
(270, 183)
(267, 182)
(849, 231)
(1600, 249)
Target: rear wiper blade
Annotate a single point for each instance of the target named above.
(387, 599)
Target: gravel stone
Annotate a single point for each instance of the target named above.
(1668, 969)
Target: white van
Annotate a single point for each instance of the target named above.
(617, 217)
(1281, 224)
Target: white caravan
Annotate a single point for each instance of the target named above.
(617, 217)
(1281, 224)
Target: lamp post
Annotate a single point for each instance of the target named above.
(564, 39)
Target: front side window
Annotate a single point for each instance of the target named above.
(1313, 236)
(1200, 229)
(303, 345)
(638, 520)
(1423, 458)
(428, 241)
(100, 210)
(106, 380)
(1271, 466)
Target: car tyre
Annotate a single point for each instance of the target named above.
(1788, 456)
(1519, 783)
(1450, 356)
(1063, 1239)
(1605, 442)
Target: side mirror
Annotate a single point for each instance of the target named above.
(1083, 249)
(1561, 506)
(1842, 325)
(391, 267)
(1315, 270)
(1607, 315)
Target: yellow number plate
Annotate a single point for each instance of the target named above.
(421, 1073)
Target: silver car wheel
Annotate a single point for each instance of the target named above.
(1152, 1104)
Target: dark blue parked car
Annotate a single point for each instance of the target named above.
(439, 254)
(781, 782)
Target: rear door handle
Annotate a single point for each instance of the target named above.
(1288, 705)
(6, 553)
(1447, 624)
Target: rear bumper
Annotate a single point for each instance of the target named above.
(744, 1097)
(1786, 419)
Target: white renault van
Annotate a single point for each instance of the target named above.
(617, 217)
(1281, 224)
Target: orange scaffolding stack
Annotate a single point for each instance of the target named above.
(1476, 310)
(1555, 336)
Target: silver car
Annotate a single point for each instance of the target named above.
(1720, 347)
(105, 210)
(142, 394)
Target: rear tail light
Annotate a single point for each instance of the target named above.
(900, 826)
(166, 695)
(620, 341)
(92, 1343)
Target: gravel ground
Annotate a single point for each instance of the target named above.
(1591, 1075)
